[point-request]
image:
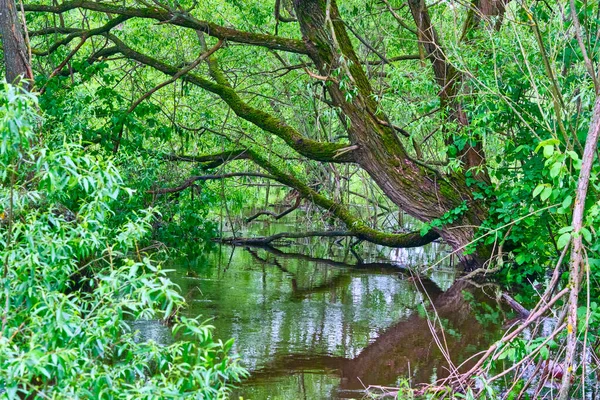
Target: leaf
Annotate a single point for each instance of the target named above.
(567, 201)
(587, 235)
(546, 193)
(548, 142)
(563, 240)
(574, 156)
(548, 151)
(555, 169)
(538, 189)
(566, 229)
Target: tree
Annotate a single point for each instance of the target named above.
(16, 57)
(453, 198)
(471, 122)
(373, 144)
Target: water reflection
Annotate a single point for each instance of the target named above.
(312, 320)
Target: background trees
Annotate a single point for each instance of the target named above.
(379, 87)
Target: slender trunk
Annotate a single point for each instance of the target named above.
(577, 250)
(450, 81)
(16, 57)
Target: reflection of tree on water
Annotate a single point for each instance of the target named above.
(404, 349)
(316, 309)
(335, 280)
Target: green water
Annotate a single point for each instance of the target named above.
(313, 321)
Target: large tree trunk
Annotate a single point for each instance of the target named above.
(16, 59)
(419, 190)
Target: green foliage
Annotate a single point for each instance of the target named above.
(446, 219)
(526, 99)
(71, 286)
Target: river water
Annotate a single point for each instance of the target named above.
(311, 320)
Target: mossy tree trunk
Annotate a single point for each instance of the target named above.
(419, 190)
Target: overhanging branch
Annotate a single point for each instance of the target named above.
(210, 160)
(177, 18)
(190, 181)
(412, 239)
(73, 33)
(263, 241)
(355, 225)
(315, 150)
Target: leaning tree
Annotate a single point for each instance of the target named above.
(345, 66)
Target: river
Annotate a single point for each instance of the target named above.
(311, 320)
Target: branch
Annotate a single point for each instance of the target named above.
(356, 226)
(65, 61)
(73, 33)
(276, 216)
(262, 241)
(393, 59)
(577, 265)
(413, 239)
(279, 17)
(190, 181)
(315, 150)
(210, 160)
(367, 44)
(515, 305)
(398, 18)
(184, 20)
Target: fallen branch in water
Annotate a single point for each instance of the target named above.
(265, 240)
(405, 240)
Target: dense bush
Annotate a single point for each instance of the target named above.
(72, 279)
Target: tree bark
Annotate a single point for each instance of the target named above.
(16, 59)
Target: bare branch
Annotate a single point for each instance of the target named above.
(274, 215)
(577, 265)
(190, 181)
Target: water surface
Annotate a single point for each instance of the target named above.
(312, 320)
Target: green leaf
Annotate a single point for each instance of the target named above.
(538, 189)
(548, 142)
(565, 229)
(555, 169)
(563, 240)
(587, 235)
(574, 156)
(567, 201)
(548, 151)
(546, 193)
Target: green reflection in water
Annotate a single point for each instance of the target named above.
(310, 321)
(301, 386)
